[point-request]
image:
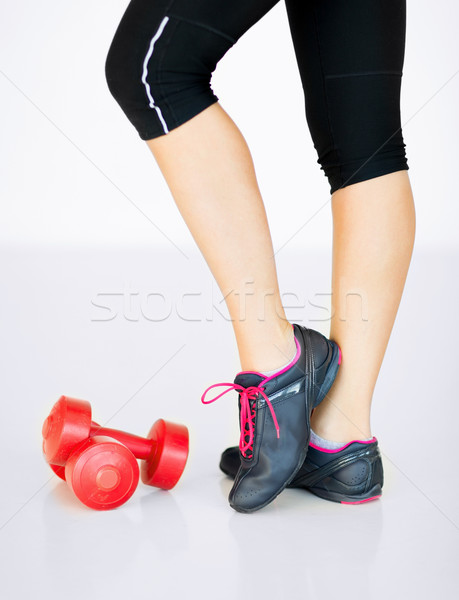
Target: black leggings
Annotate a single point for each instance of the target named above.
(349, 52)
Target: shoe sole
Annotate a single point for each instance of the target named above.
(373, 494)
(323, 391)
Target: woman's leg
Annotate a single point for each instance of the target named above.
(209, 170)
(373, 236)
(159, 68)
(350, 55)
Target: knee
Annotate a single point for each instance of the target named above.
(132, 76)
(120, 70)
(162, 79)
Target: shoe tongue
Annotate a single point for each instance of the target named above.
(248, 379)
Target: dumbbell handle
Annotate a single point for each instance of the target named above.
(139, 446)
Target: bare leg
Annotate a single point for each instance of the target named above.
(209, 170)
(374, 227)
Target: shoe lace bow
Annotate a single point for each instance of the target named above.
(247, 394)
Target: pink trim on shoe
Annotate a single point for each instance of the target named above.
(373, 439)
(362, 501)
(289, 366)
(340, 356)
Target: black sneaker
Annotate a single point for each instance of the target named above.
(275, 416)
(351, 475)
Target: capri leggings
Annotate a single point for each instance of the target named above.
(349, 53)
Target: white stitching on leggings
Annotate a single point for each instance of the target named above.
(145, 72)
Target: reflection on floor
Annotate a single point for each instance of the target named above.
(141, 332)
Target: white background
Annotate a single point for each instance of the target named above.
(76, 185)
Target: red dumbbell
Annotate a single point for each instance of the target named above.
(108, 479)
(59, 470)
(102, 472)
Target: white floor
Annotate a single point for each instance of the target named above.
(136, 362)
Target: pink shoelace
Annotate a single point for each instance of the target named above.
(246, 417)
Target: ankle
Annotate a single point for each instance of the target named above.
(287, 344)
(282, 367)
(341, 429)
(271, 352)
